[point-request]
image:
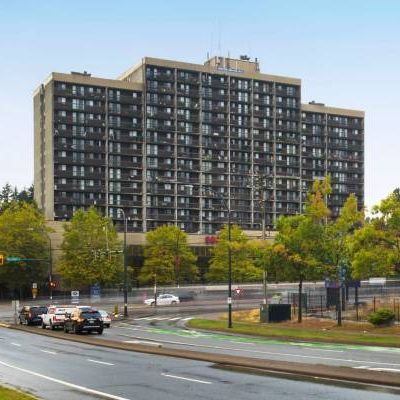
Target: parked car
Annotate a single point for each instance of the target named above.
(83, 320)
(31, 315)
(55, 316)
(163, 299)
(106, 318)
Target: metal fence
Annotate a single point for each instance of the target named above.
(357, 303)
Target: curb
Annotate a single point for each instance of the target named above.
(314, 371)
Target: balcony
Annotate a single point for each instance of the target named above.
(194, 80)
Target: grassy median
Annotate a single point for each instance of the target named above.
(12, 394)
(311, 329)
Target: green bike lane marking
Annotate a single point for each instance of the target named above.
(243, 339)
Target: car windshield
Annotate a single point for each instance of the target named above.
(90, 314)
(39, 310)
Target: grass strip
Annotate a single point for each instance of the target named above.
(12, 394)
(301, 333)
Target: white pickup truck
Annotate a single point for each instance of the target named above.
(55, 316)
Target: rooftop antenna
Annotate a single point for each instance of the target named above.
(219, 38)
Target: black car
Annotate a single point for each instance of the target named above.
(31, 315)
(186, 296)
(83, 320)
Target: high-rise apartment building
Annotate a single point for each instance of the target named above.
(179, 143)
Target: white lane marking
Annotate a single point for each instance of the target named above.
(266, 352)
(187, 379)
(143, 342)
(48, 351)
(187, 319)
(59, 381)
(174, 319)
(99, 362)
(16, 344)
(142, 318)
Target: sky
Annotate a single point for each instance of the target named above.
(347, 54)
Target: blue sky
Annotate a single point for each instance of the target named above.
(347, 54)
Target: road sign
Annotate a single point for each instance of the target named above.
(1, 259)
(13, 259)
(229, 300)
(238, 291)
(34, 285)
(75, 296)
(95, 292)
(34, 292)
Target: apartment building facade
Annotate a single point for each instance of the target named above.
(187, 144)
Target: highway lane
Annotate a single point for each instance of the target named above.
(55, 369)
(167, 331)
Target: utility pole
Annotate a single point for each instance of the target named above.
(229, 270)
(125, 265)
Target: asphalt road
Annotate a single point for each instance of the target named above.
(55, 369)
(167, 330)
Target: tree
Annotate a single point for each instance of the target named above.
(303, 239)
(9, 194)
(168, 258)
(376, 246)
(23, 234)
(91, 250)
(243, 268)
(269, 257)
(339, 234)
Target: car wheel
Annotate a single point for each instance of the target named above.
(43, 325)
(100, 331)
(20, 321)
(52, 327)
(173, 303)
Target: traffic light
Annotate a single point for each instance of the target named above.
(2, 259)
(52, 284)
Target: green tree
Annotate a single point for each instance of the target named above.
(303, 239)
(23, 234)
(8, 194)
(168, 258)
(376, 246)
(243, 268)
(339, 235)
(268, 257)
(91, 250)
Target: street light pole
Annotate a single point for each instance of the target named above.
(229, 270)
(50, 270)
(125, 265)
(228, 209)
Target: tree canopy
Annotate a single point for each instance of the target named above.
(91, 250)
(168, 258)
(9, 194)
(376, 246)
(302, 237)
(243, 267)
(23, 233)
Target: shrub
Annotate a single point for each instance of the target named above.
(382, 316)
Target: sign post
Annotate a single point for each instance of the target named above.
(74, 296)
